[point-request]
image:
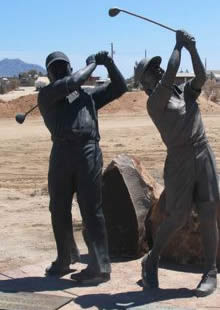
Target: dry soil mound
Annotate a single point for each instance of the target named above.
(130, 102)
(20, 105)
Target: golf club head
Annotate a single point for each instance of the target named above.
(20, 118)
(113, 12)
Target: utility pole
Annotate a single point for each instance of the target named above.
(112, 50)
(112, 54)
(145, 53)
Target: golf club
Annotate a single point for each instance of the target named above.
(21, 117)
(115, 11)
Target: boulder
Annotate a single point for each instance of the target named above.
(134, 208)
(129, 193)
(186, 246)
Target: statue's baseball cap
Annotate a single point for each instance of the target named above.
(143, 65)
(51, 58)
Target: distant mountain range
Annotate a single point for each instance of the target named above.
(12, 67)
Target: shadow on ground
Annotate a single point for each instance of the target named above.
(34, 284)
(131, 299)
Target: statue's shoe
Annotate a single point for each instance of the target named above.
(208, 284)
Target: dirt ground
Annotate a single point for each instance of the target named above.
(26, 236)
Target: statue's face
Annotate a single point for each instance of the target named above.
(151, 77)
(58, 70)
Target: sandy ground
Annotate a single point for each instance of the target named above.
(26, 235)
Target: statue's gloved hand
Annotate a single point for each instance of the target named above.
(179, 37)
(187, 40)
(91, 59)
(102, 58)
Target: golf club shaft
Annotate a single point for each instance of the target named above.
(149, 20)
(34, 107)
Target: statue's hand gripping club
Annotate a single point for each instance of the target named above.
(189, 41)
(100, 58)
(90, 60)
(185, 39)
(103, 58)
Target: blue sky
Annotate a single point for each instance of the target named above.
(30, 29)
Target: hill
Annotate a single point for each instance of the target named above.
(12, 67)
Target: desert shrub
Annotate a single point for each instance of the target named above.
(10, 84)
(208, 88)
(211, 90)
